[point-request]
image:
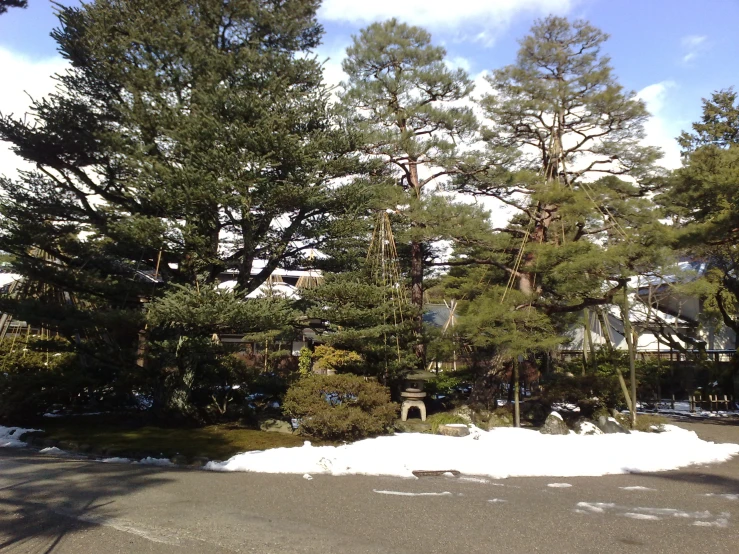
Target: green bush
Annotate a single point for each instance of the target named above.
(37, 375)
(588, 392)
(339, 407)
(443, 383)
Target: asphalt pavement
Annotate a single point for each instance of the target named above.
(50, 504)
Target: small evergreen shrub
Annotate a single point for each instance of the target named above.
(305, 361)
(327, 358)
(443, 383)
(340, 407)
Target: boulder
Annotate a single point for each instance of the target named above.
(554, 425)
(179, 460)
(609, 426)
(500, 418)
(585, 427)
(465, 412)
(276, 426)
(454, 430)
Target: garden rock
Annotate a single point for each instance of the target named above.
(276, 426)
(554, 425)
(179, 460)
(454, 430)
(610, 426)
(465, 412)
(585, 427)
(500, 418)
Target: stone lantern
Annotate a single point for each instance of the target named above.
(413, 395)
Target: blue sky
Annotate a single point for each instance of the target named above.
(674, 52)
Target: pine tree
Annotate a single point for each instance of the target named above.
(562, 133)
(703, 203)
(195, 129)
(402, 96)
(187, 139)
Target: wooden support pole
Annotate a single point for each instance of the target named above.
(516, 402)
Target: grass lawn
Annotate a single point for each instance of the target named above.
(110, 438)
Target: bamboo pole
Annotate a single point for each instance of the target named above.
(516, 402)
(632, 359)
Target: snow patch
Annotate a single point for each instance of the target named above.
(10, 436)
(727, 496)
(633, 515)
(116, 460)
(556, 414)
(528, 453)
(308, 477)
(401, 493)
(149, 461)
(637, 488)
(559, 485)
(595, 507)
(51, 450)
(720, 522)
(497, 500)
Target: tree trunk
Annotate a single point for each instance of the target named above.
(632, 355)
(417, 274)
(417, 299)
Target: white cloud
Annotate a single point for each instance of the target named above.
(661, 129)
(693, 46)
(485, 18)
(331, 57)
(459, 62)
(25, 78)
(692, 41)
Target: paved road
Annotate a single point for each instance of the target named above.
(67, 506)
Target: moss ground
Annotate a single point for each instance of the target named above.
(104, 437)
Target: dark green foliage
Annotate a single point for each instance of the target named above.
(703, 202)
(588, 392)
(443, 383)
(196, 373)
(191, 137)
(5, 4)
(37, 375)
(363, 318)
(340, 407)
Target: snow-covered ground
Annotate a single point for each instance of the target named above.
(682, 408)
(500, 453)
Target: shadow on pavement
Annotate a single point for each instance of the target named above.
(720, 482)
(42, 503)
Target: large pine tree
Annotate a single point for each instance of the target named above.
(406, 101)
(187, 138)
(565, 155)
(198, 129)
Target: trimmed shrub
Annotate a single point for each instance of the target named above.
(330, 359)
(340, 407)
